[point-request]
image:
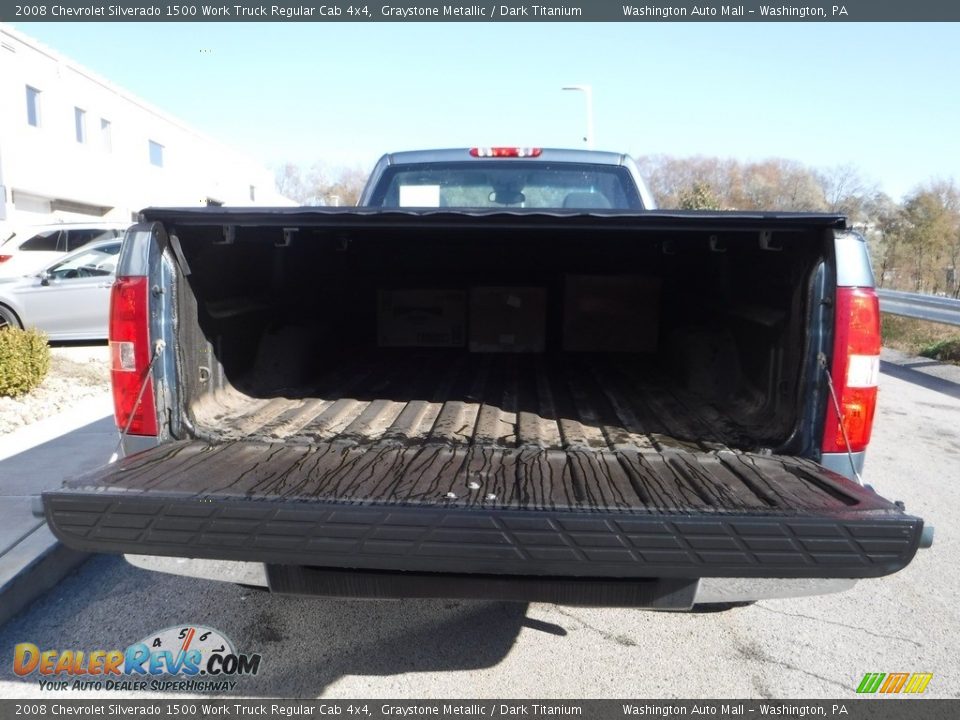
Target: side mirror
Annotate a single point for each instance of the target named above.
(45, 276)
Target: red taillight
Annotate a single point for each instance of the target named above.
(130, 354)
(856, 369)
(4, 258)
(505, 152)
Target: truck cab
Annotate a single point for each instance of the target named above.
(507, 178)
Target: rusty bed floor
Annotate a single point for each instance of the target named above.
(504, 401)
(484, 431)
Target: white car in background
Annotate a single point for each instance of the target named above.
(30, 248)
(69, 299)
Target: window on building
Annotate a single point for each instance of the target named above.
(106, 135)
(156, 154)
(33, 106)
(80, 123)
(253, 193)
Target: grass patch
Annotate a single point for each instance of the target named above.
(919, 337)
(943, 350)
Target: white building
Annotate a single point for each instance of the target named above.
(76, 148)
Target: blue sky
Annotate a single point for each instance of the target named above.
(882, 96)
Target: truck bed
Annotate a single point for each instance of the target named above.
(493, 400)
(528, 397)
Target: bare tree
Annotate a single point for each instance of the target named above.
(290, 183)
(670, 178)
(774, 184)
(779, 184)
(845, 191)
(348, 185)
(915, 244)
(320, 185)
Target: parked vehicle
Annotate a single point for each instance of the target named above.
(31, 248)
(590, 406)
(69, 299)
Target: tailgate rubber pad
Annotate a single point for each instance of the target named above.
(524, 511)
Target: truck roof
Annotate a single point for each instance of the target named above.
(596, 157)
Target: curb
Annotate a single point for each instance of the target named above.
(32, 567)
(34, 563)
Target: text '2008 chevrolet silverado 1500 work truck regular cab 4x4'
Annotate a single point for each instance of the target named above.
(506, 376)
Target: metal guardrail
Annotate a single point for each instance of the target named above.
(921, 307)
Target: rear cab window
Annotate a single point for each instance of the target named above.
(501, 184)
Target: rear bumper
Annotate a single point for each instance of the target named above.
(543, 543)
(705, 590)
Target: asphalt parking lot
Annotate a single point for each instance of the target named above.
(817, 647)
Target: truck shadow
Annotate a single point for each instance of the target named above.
(306, 644)
(928, 382)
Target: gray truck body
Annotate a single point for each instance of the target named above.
(413, 403)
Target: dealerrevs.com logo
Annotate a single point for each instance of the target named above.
(182, 658)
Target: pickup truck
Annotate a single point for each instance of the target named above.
(506, 375)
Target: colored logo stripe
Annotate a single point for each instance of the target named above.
(918, 682)
(894, 683)
(870, 682)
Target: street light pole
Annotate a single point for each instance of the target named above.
(588, 95)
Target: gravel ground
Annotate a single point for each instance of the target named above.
(76, 372)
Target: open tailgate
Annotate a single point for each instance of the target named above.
(519, 511)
